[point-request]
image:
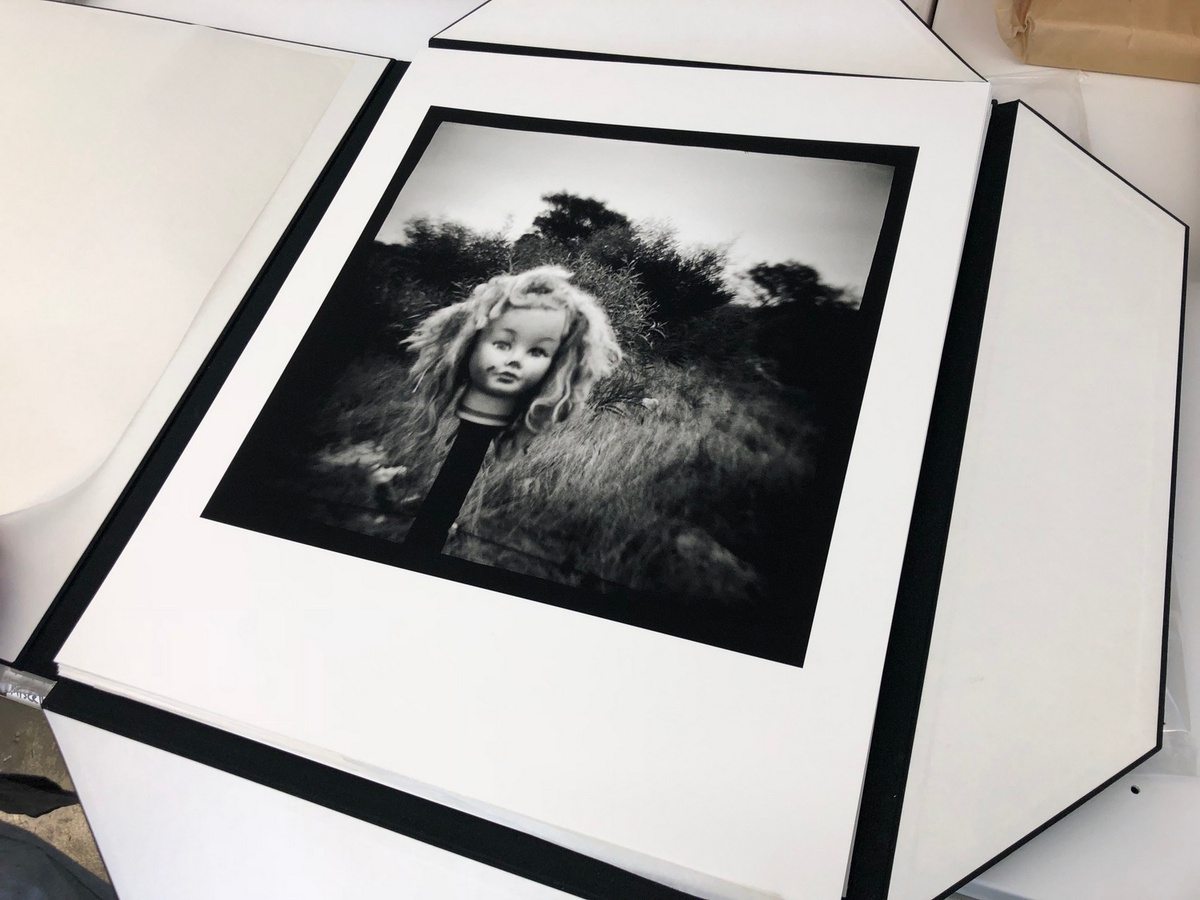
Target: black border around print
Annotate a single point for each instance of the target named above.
(781, 633)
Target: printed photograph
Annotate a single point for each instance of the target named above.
(615, 370)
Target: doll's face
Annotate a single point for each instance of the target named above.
(514, 352)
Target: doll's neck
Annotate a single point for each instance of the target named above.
(485, 409)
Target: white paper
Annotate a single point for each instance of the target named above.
(745, 771)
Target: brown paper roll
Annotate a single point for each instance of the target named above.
(1155, 38)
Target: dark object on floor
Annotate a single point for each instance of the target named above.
(32, 795)
(31, 869)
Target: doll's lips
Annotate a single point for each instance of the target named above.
(506, 377)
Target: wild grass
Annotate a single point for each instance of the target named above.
(689, 473)
(689, 488)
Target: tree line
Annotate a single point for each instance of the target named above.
(669, 303)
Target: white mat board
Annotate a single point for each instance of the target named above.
(259, 635)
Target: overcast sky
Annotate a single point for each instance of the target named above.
(825, 213)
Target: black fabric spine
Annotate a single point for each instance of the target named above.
(440, 826)
(920, 576)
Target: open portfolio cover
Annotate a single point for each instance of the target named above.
(672, 478)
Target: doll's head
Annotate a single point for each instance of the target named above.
(532, 344)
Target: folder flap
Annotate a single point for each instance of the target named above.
(852, 37)
(1046, 666)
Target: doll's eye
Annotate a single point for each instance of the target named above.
(538, 351)
(501, 345)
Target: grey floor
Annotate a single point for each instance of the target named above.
(27, 747)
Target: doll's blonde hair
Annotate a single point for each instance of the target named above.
(444, 342)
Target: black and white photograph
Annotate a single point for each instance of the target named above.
(613, 369)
